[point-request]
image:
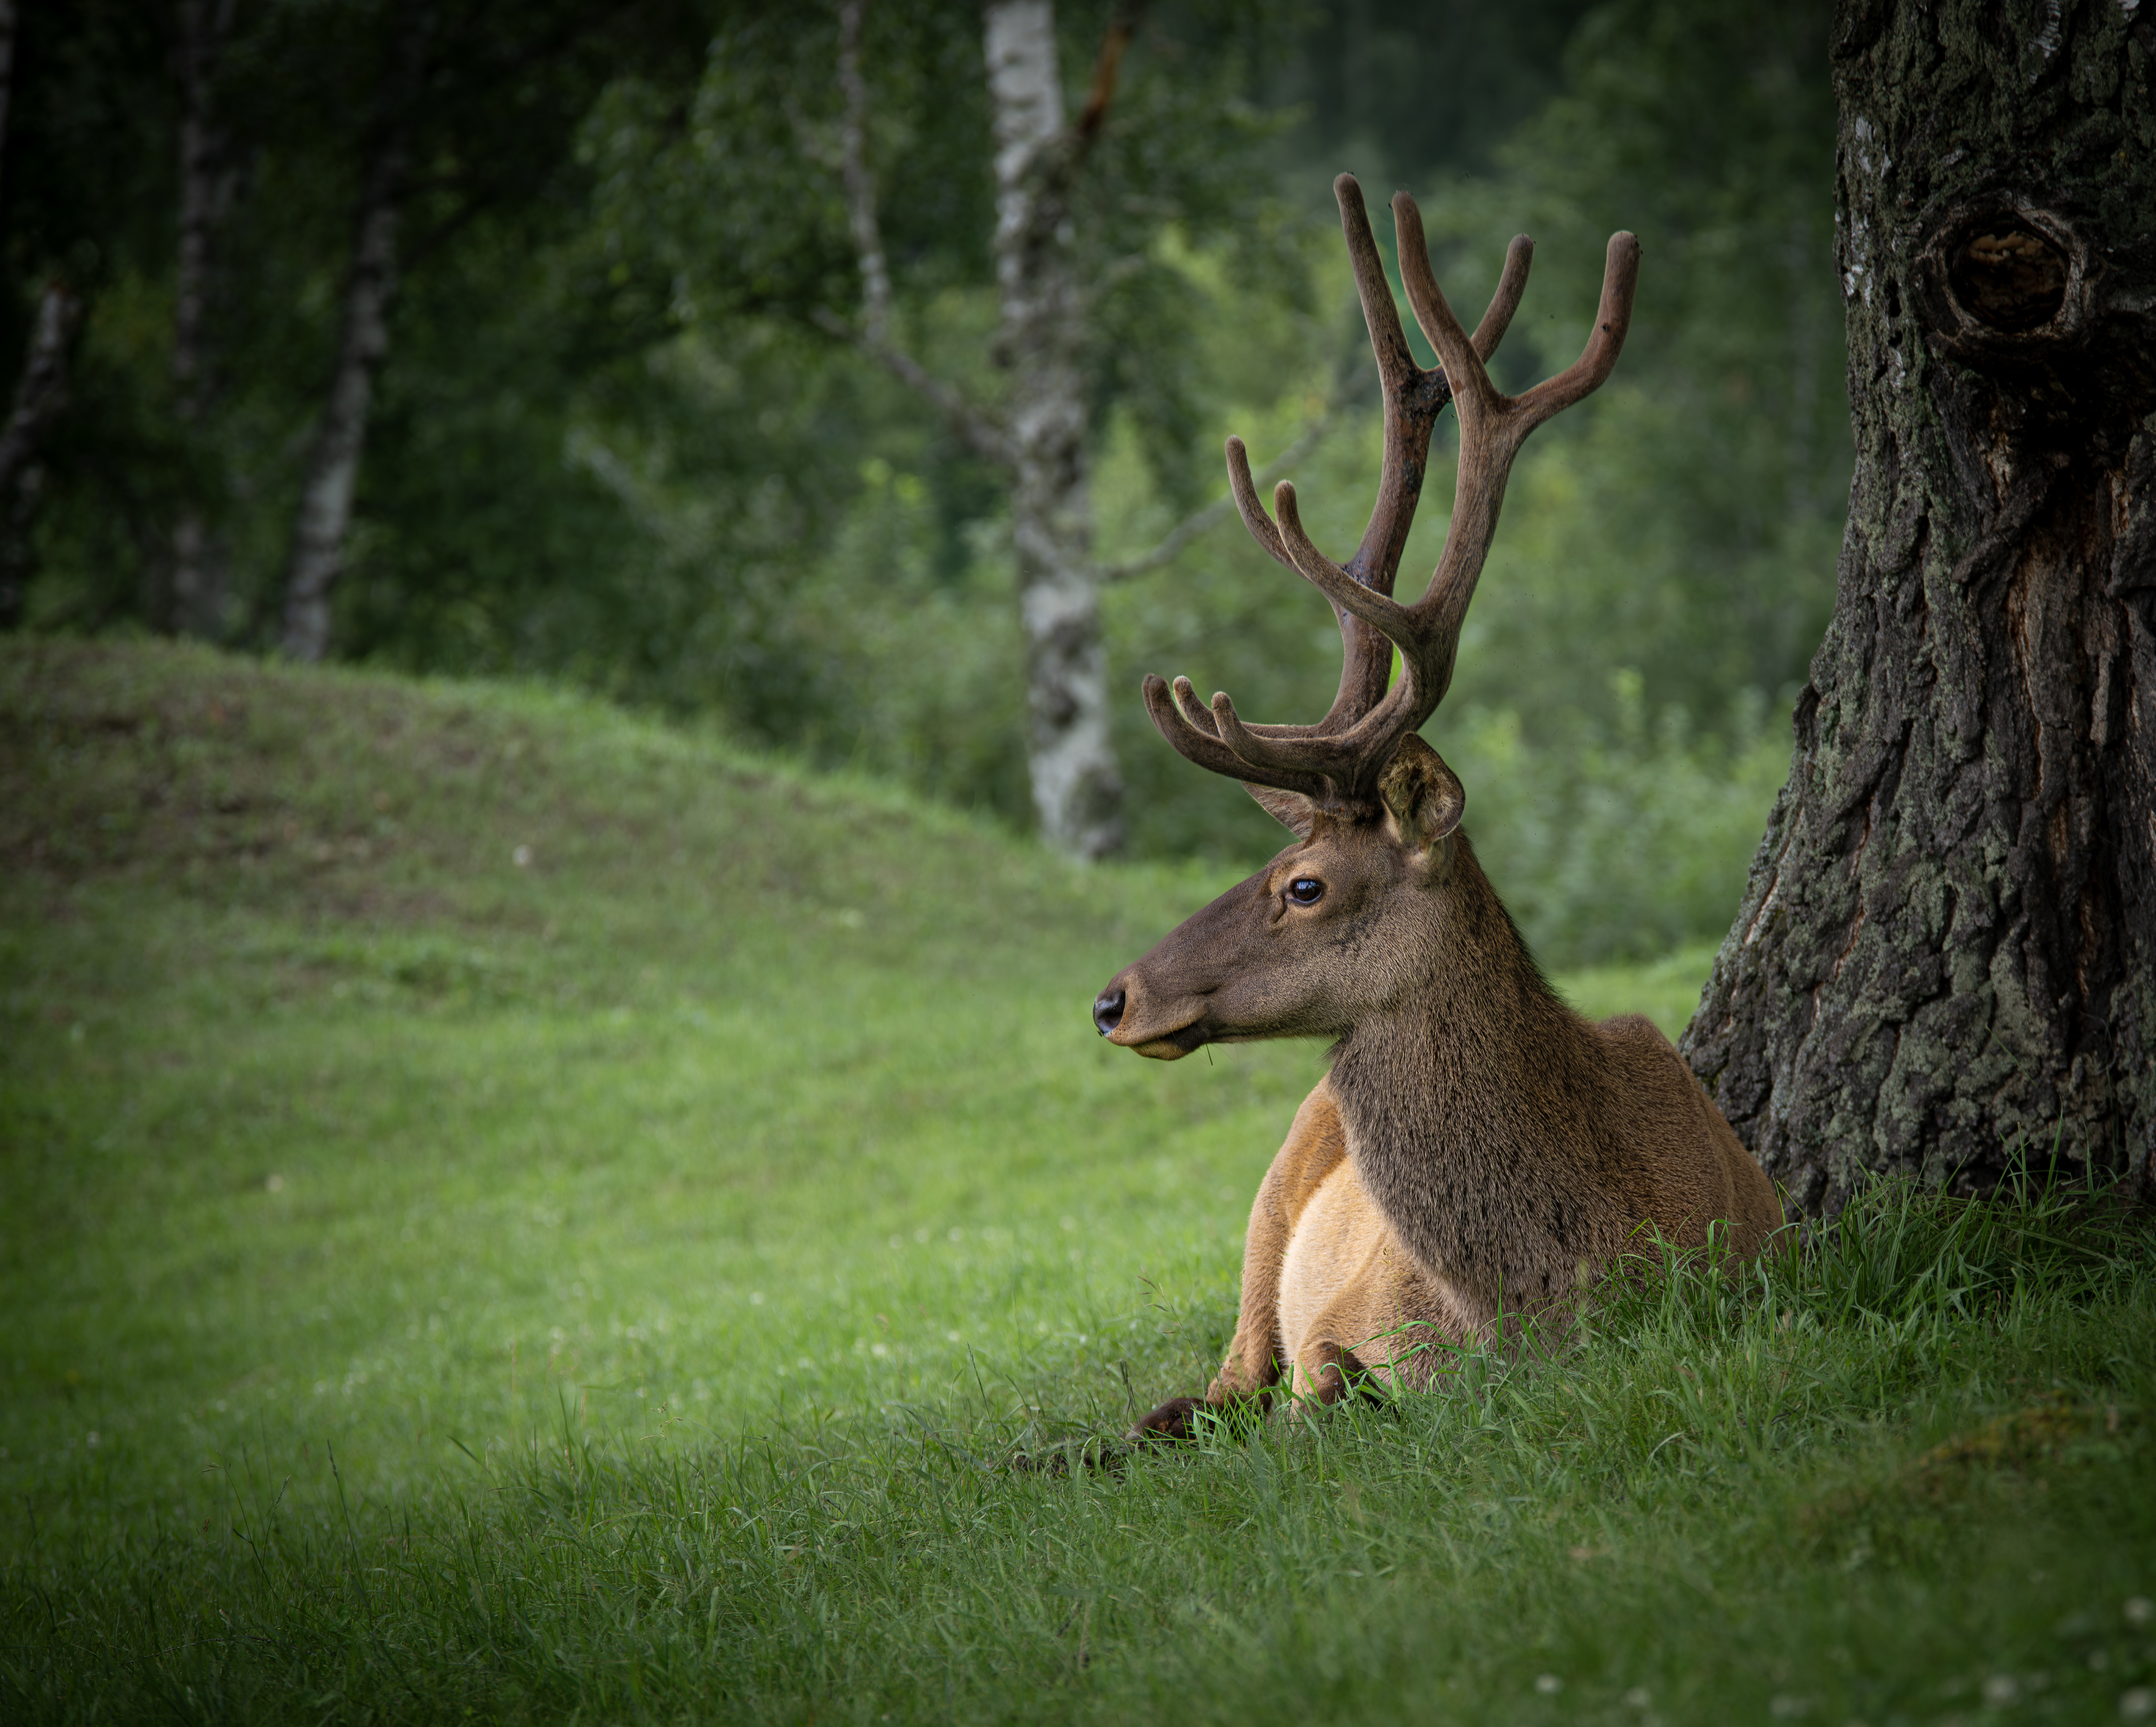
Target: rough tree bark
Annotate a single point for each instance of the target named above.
(1945, 963)
(195, 602)
(1077, 790)
(316, 556)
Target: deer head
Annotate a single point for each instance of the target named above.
(1356, 915)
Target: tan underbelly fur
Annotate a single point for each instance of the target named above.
(1346, 1279)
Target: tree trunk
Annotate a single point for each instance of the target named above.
(333, 473)
(40, 395)
(1076, 788)
(1945, 964)
(196, 596)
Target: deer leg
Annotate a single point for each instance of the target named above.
(1252, 1366)
(1315, 1144)
(1327, 1372)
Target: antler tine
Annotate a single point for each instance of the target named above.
(1412, 400)
(1256, 746)
(1249, 505)
(1205, 748)
(1278, 755)
(1386, 616)
(1492, 427)
(1187, 703)
(1388, 342)
(1397, 372)
(1613, 322)
(1471, 389)
(1511, 281)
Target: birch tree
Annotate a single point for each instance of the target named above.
(332, 475)
(1076, 789)
(40, 395)
(1040, 440)
(196, 599)
(1046, 294)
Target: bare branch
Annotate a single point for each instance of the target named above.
(1106, 66)
(972, 424)
(1201, 521)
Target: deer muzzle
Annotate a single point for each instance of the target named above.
(1166, 1029)
(1175, 999)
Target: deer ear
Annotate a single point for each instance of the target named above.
(1424, 796)
(1290, 810)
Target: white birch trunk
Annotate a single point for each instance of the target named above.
(317, 553)
(42, 391)
(1077, 789)
(317, 557)
(40, 395)
(197, 595)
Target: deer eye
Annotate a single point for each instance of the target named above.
(1306, 890)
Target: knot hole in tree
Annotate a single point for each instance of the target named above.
(2002, 278)
(2009, 277)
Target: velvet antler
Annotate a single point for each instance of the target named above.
(1337, 761)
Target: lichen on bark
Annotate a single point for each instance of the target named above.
(1945, 964)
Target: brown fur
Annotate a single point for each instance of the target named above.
(1478, 1153)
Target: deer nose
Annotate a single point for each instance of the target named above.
(1108, 1011)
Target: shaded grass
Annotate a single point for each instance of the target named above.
(1762, 1499)
(614, 1282)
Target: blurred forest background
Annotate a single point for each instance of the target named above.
(608, 434)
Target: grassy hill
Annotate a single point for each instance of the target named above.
(453, 1048)
(506, 1208)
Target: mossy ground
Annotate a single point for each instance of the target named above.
(510, 1209)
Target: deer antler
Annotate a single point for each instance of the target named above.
(1337, 761)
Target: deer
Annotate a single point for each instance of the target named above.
(1478, 1155)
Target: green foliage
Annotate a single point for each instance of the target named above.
(383, 1221)
(1620, 841)
(1390, 91)
(1683, 523)
(611, 445)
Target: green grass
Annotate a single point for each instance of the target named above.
(615, 1284)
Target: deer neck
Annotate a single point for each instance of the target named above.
(1468, 1103)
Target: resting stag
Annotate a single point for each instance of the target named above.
(1478, 1153)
